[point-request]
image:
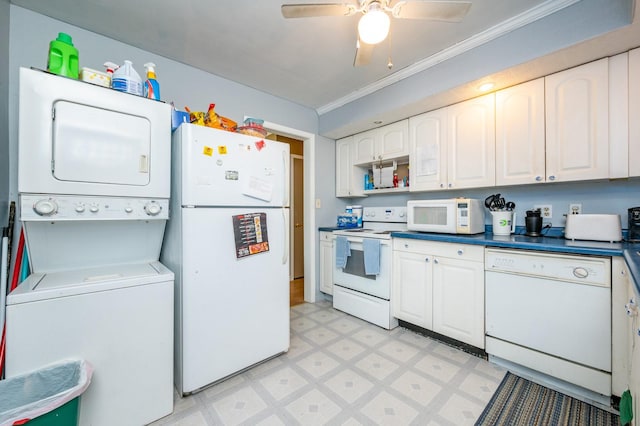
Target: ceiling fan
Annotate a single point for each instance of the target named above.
(373, 26)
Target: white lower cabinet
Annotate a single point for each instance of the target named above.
(634, 373)
(440, 287)
(620, 338)
(412, 286)
(626, 341)
(458, 299)
(326, 262)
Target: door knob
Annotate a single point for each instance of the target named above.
(298, 225)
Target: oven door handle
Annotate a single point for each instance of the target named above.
(360, 240)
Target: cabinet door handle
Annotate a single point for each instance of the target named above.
(442, 185)
(552, 177)
(435, 261)
(426, 259)
(460, 252)
(450, 185)
(538, 178)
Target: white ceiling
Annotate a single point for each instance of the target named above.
(308, 61)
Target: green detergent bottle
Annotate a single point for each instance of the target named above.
(63, 57)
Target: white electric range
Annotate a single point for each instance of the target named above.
(358, 291)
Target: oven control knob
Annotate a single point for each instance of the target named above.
(401, 214)
(152, 208)
(45, 207)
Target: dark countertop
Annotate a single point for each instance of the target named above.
(630, 251)
(328, 228)
(556, 243)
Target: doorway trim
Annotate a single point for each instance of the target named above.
(292, 225)
(310, 243)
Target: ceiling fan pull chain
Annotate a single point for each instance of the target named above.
(389, 63)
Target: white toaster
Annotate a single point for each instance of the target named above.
(596, 227)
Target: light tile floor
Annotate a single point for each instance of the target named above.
(341, 370)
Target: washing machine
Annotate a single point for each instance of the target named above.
(115, 318)
(94, 186)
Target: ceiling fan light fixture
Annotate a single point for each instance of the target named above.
(486, 86)
(374, 25)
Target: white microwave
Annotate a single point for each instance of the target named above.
(451, 216)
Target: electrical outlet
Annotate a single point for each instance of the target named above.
(545, 210)
(575, 208)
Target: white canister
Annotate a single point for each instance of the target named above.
(504, 222)
(357, 212)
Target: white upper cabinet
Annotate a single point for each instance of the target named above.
(346, 185)
(577, 123)
(454, 147)
(364, 147)
(634, 112)
(472, 143)
(428, 150)
(520, 137)
(384, 143)
(619, 116)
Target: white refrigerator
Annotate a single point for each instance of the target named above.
(227, 242)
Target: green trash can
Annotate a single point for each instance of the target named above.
(49, 396)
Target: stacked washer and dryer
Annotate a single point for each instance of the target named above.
(94, 185)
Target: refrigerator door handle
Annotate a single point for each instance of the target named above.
(285, 178)
(285, 250)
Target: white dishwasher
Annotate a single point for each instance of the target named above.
(551, 313)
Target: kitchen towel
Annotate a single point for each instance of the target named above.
(371, 249)
(342, 251)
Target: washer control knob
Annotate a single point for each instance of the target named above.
(80, 208)
(94, 208)
(46, 207)
(128, 209)
(152, 208)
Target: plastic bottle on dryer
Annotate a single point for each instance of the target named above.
(151, 85)
(63, 57)
(126, 79)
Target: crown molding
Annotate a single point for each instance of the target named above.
(547, 8)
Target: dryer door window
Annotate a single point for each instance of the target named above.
(96, 145)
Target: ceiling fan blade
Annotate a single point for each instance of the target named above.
(448, 11)
(317, 9)
(364, 52)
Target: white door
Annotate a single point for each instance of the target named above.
(472, 140)
(234, 311)
(221, 168)
(520, 144)
(428, 148)
(577, 123)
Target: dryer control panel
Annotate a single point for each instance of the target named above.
(48, 207)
